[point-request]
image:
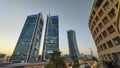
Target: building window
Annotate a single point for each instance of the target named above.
(91, 29)
(100, 26)
(94, 34)
(106, 6)
(115, 24)
(116, 5)
(97, 30)
(92, 26)
(111, 29)
(118, 53)
(117, 40)
(104, 46)
(91, 17)
(22, 43)
(115, 57)
(97, 19)
(41, 22)
(105, 20)
(100, 37)
(112, 13)
(94, 23)
(98, 3)
(101, 48)
(38, 36)
(104, 34)
(105, 56)
(111, 0)
(110, 44)
(101, 13)
(109, 56)
(93, 12)
(90, 20)
(98, 40)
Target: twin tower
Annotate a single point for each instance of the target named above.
(27, 47)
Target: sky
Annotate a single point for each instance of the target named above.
(73, 14)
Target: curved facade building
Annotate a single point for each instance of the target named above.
(73, 48)
(104, 28)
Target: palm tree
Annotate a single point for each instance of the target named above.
(56, 61)
(95, 59)
(76, 64)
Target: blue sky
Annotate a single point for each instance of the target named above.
(73, 14)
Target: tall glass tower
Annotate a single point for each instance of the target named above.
(27, 47)
(73, 49)
(51, 40)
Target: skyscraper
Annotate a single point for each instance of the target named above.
(28, 44)
(73, 48)
(51, 40)
(104, 27)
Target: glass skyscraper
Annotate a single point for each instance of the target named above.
(51, 40)
(27, 47)
(73, 49)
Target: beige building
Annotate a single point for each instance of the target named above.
(103, 25)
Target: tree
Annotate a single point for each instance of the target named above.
(95, 59)
(76, 64)
(56, 61)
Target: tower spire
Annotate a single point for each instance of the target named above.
(49, 13)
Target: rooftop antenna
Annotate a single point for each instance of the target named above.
(49, 13)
